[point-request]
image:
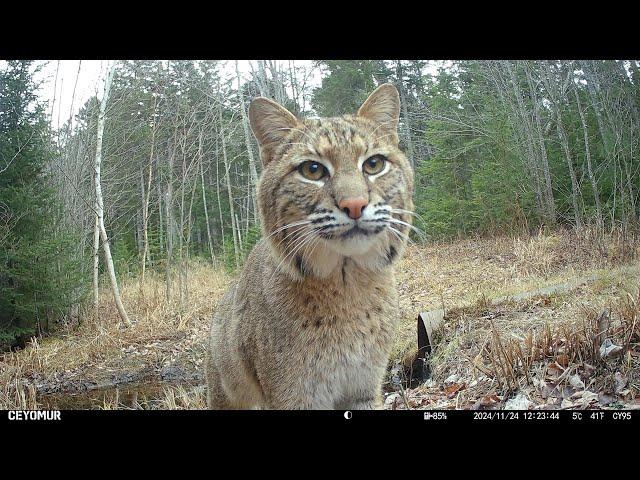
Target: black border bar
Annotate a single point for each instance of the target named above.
(413, 418)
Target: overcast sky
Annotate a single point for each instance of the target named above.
(89, 75)
(90, 81)
(59, 94)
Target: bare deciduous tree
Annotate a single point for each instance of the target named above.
(100, 204)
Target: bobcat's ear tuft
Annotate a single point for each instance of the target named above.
(383, 108)
(270, 123)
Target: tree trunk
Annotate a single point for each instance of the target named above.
(96, 264)
(224, 248)
(557, 94)
(525, 127)
(592, 178)
(236, 243)
(55, 89)
(263, 86)
(169, 220)
(247, 139)
(145, 202)
(405, 113)
(278, 84)
(103, 233)
(550, 204)
(168, 203)
(575, 187)
(204, 202)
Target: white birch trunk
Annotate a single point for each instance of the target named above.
(592, 178)
(145, 203)
(100, 205)
(96, 264)
(204, 202)
(247, 139)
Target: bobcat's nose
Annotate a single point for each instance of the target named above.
(353, 206)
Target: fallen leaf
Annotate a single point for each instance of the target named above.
(566, 403)
(585, 397)
(451, 390)
(563, 360)
(452, 378)
(488, 401)
(605, 399)
(392, 401)
(520, 402)
(554, 370)
(588, 370)
(576, 382)
(621, 382)
(609, 349)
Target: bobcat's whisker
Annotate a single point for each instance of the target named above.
(407, 212)
(395, 232)
(401, 235)
(291, 233)
(308, 238)
(304, 238)
(317, 242)
(415, 229)
(390, 219)
(292, 224)
(296, 241)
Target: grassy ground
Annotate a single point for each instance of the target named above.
(543, 352)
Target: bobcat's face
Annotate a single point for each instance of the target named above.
(336, 187)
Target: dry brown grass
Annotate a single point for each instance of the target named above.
(169, 397)
(497, 347)
(164, 334)
(448, 275)
(547, 348)
(182, 398)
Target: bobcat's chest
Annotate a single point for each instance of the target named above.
(337, 334)
(344, 353)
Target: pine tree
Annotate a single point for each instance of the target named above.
(37, 276)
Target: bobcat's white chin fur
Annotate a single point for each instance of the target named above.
(357, 245)
(368, 252)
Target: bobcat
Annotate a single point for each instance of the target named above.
(310, 322)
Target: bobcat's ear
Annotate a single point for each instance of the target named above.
(270, 123)
(383, 108)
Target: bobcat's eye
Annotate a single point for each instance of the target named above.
(312, 170)
(373, 165)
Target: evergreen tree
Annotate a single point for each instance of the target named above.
(37, 278)
(346, 84)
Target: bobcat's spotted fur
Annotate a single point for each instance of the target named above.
(310, 322)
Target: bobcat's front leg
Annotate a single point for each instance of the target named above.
(371, 403)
